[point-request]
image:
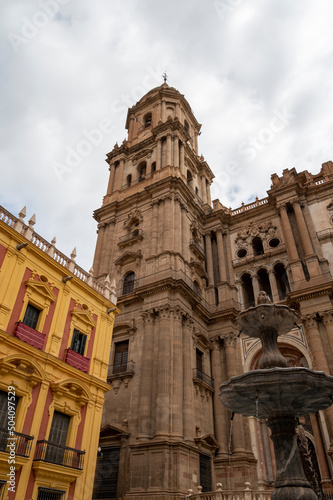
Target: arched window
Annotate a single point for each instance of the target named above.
(263, 281)
(186, 126)
(142, 171)
(129, 180)
(282, 281)
(189, 178)
(247, 291)
(147, 120)
(257, 246)
(153, 167)
(128, 283)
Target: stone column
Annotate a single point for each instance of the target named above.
(178, 388)
(168, 150)
(209, 200)
(188, 415)
(154, 229)
(256, 288)
(229, 258)
(272, 282)
(238, 440)
(321, 364)
(167, 223)
(119, 175)
(164, 384)
(111, 179)
(109, 245)
(185, 234)
(220, 412)
(176, 151)
(182, 159)
(163, 111)
(209, 259)
(288, 234)
(328, 323)
(177, 227)
(203, 189)
(99, 248)
(158, 155)
(302, 229)
(145, 407)
(221, 256)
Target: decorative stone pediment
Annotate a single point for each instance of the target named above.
(22, 366)
(42, 288)
(144, 153)
(84, 317)
(207, 443)
(112, 431)
(71, 389)
(133, 217)
(128, 257)
(249, 232)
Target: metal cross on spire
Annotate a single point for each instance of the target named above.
(165, 76)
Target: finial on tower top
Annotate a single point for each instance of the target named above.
(165, 76)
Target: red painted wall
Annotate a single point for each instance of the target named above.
(3, 251)
(71, 491)
(31, 410)
(19, 302)
(65, 336)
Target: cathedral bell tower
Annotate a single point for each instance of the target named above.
(153, 239)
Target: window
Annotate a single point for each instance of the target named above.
(147, 120)
(129, 180)
(48, 494)
(189, 178)
(205, 472)
(107, 474)
(247, 288)
(199, 360)
(4, 419)
(186, 126)
(281, 280)
(128, 283)
(258, 248)
(78, 342)
(31, 316)
(142, 171)
(57, 439)
(196, 288)
(153, 167)
(120, 357)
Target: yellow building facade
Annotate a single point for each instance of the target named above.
(56, 326)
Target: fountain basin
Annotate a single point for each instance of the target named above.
(256, 320)
(276, 392)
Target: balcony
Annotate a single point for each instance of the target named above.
(22, 442)
(136, 235)
(77, 360)
(59, 455)
(29, 335)
(200, 377)
(121, 371)
(197, 248)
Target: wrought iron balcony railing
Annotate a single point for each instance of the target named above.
(58, 454)
(22, 442)
(198, 374)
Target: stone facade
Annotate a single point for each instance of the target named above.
(185, 267)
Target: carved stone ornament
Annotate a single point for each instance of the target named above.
(246, 234)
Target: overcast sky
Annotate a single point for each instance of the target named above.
(258, 75)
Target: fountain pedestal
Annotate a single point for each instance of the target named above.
(291, 482)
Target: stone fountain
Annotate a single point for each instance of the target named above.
(278, 394)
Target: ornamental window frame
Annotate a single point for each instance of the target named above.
(40, 295)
